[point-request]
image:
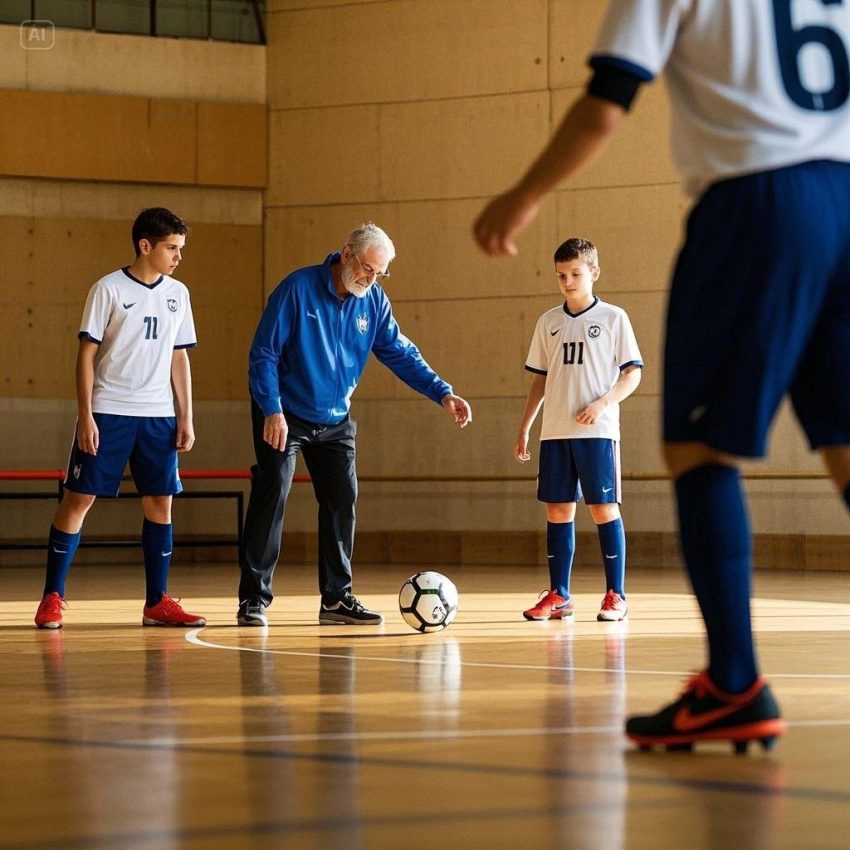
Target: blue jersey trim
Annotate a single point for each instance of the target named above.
(605, 60)
(581, 312)
(156, 283)
(638, 363)
(186, 345)
(87, 336)
(536, 371)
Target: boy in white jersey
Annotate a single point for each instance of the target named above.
(761, 134)
(585, 360)
(132, 366)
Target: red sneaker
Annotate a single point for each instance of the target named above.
(613, 607)
(49, 614)
(167, 612)
(550, 606)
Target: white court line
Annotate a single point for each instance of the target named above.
(192, 637)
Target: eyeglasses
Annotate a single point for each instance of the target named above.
(370, 272)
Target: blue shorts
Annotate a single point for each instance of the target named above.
(147, 442)
(570, 468)
(760, 308)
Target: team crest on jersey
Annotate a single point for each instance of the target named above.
(172, 304)
(593, 331)
(363, 323)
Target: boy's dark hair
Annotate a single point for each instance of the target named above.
(578, 249)
(154, 224)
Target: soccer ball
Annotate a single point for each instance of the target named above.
(428, 602)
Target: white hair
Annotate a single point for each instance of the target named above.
(368, 235)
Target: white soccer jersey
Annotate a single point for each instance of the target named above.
(754, 84)
(582, 357)
(137, 326)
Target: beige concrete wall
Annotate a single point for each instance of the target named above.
(408, 112)
(412, 113)
(96, 63)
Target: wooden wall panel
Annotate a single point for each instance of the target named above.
(129, 139)
(93, 137)
(414, 50)
(232, 142)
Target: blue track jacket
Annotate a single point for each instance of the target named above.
(310, 348)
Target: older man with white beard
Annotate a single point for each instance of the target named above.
(308, 354)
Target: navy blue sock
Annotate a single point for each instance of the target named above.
(716, 544)
(61, 548)
(560, 547)
(157, 542)
(612, 541)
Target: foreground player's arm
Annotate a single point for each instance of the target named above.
(88, 437)
(586, 130)
(626, 384)
(533, 402)
(181, 382)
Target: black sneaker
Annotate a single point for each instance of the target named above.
(349, 610)
(705, 713)
(252, 612)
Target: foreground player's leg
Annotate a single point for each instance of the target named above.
(157, 545)
(729, 701)
(61, 547)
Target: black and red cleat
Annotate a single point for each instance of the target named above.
(705, 713)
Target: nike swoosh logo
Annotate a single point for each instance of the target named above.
(684, 721)
(311, 315)
(552, 333)
(165, 554)
(60, 551)
(610, 557)
(607, 489)
(128, 306)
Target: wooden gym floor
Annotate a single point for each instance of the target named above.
(494, 733)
